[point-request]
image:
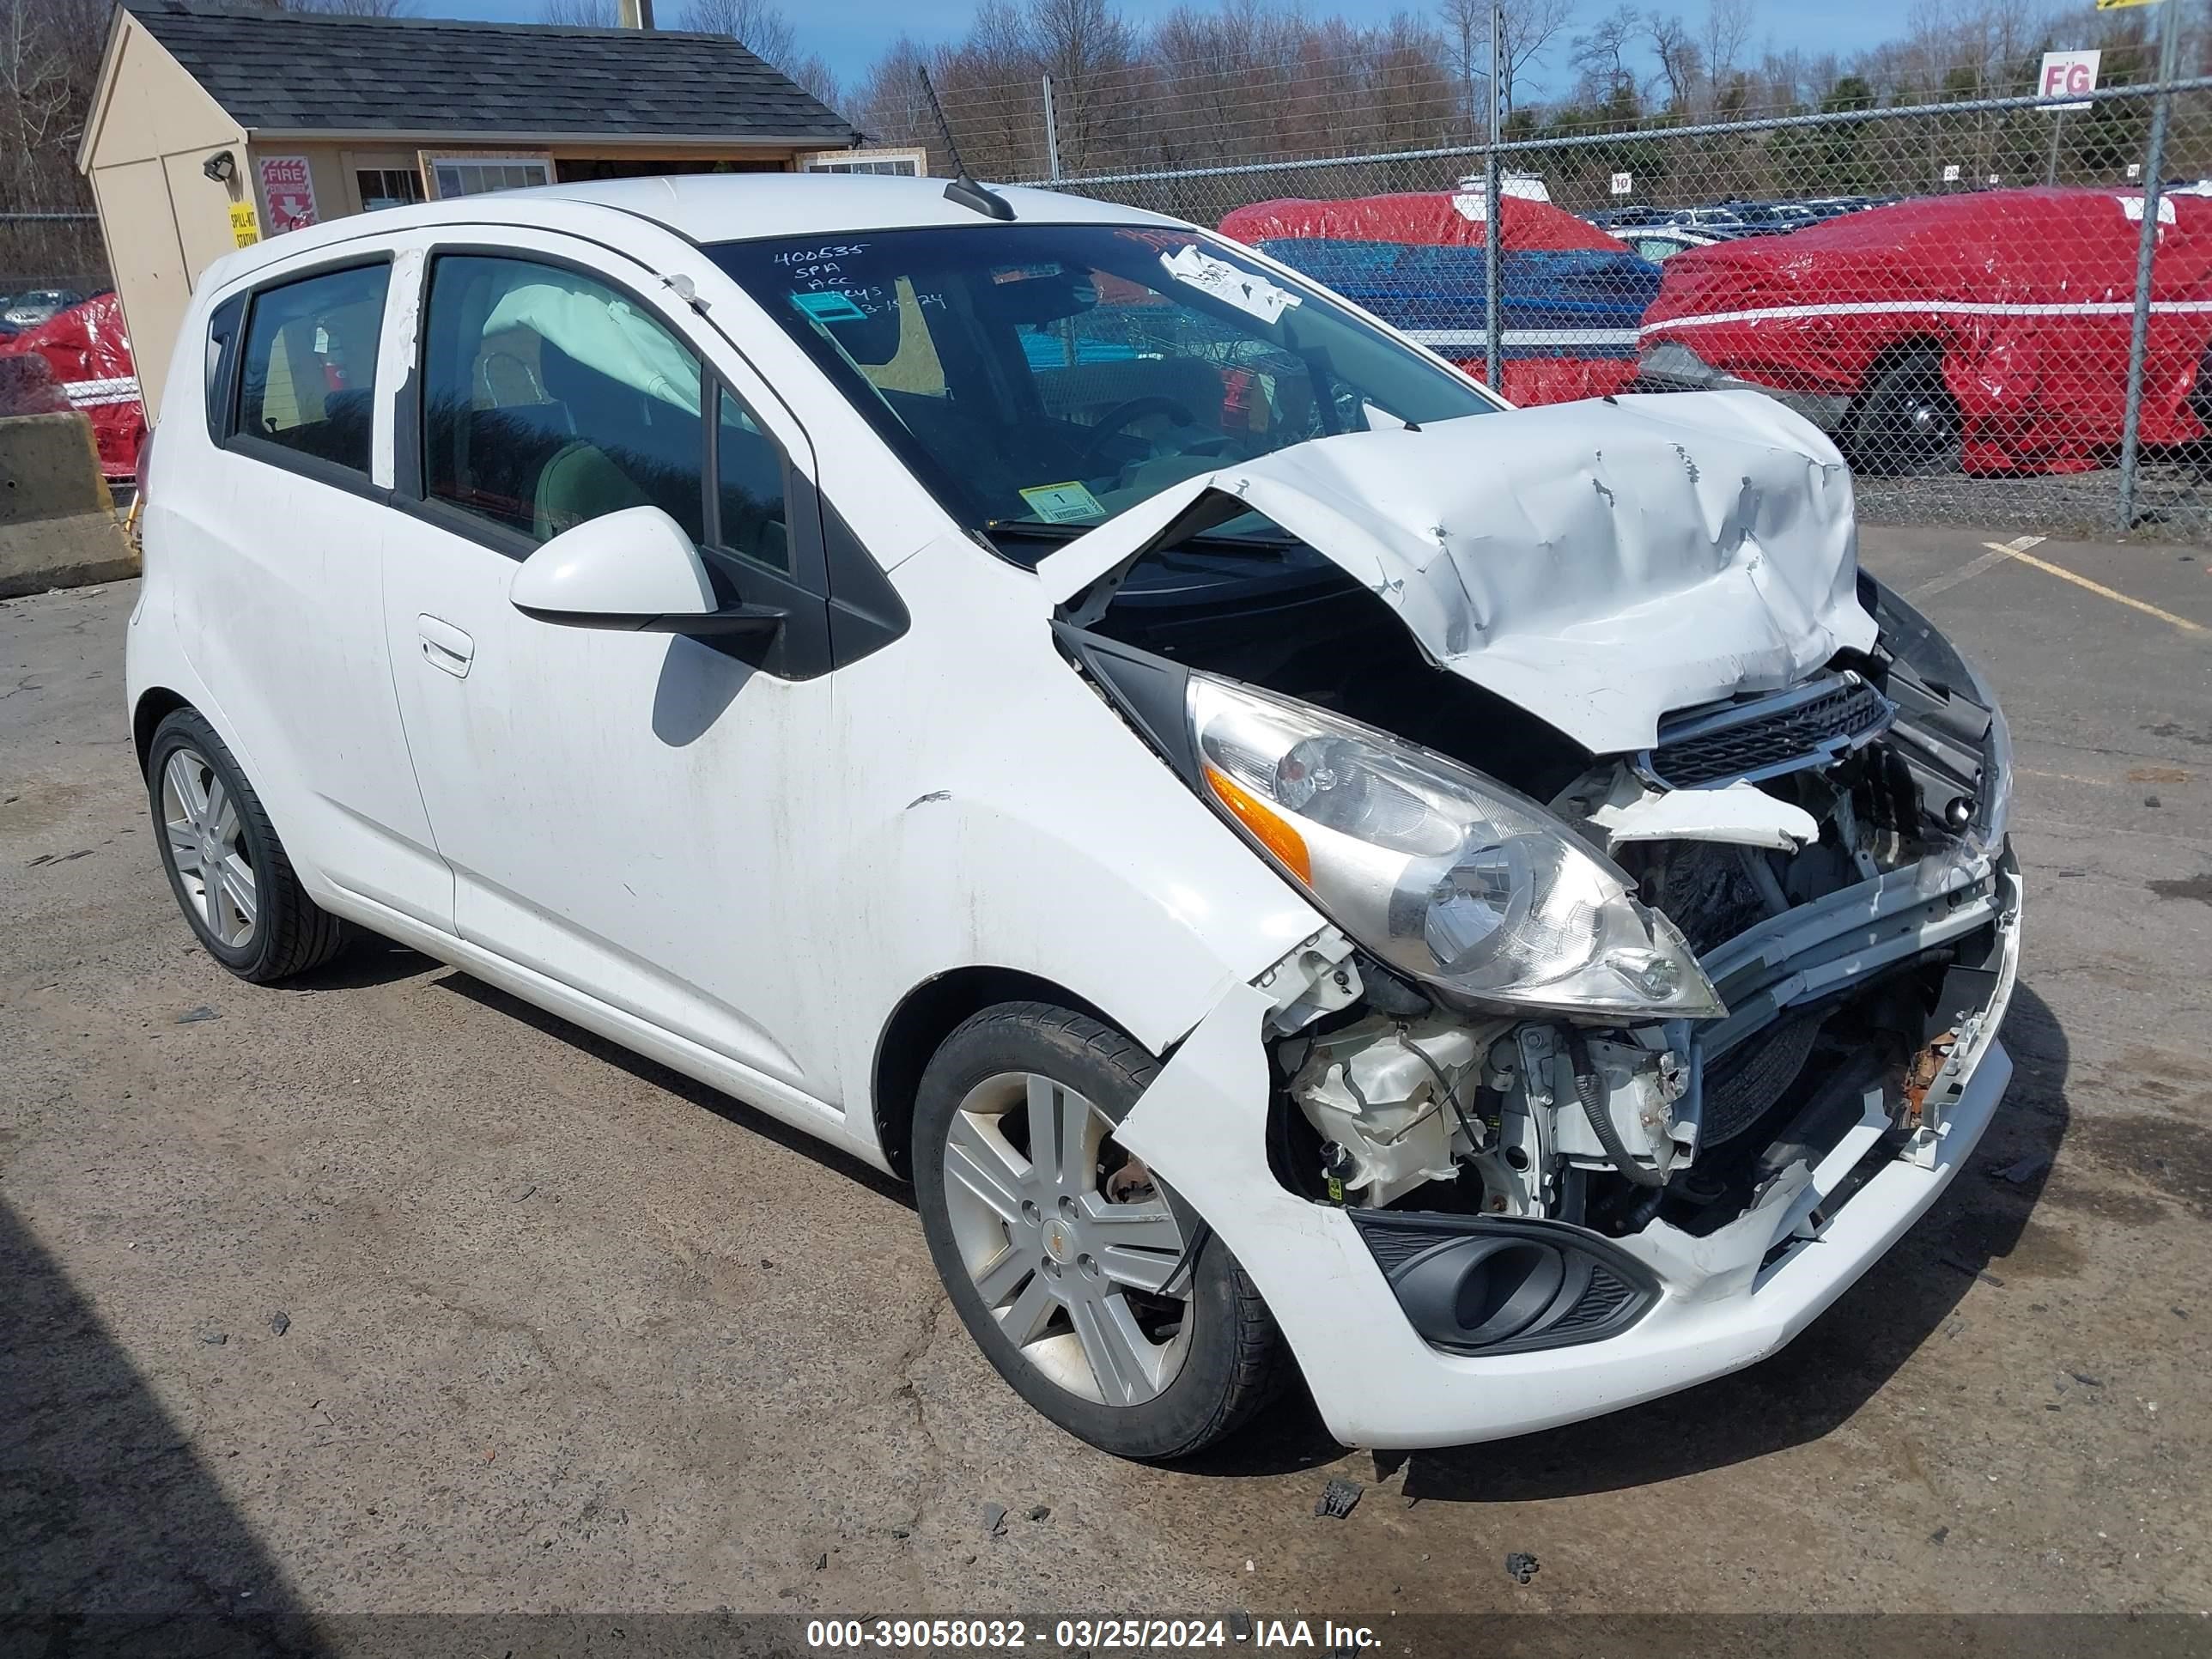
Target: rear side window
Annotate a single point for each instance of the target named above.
(550, 398)
(307, 371)
(222, 356)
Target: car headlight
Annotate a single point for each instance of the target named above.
(1441, 873)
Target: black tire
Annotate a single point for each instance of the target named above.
(1906, 420)
(290, 933)
(1235, 1362)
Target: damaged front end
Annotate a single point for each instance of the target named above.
(1622, 1001)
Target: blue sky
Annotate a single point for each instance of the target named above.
(849, 33)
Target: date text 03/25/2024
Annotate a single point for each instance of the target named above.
(1086, 1635)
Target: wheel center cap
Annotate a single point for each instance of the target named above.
(1059, 1243)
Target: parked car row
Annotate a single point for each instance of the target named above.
(1737, 217)
(1984, 331)
(33, 306)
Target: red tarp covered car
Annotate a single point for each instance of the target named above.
(1571, 295)
(1987, 331)
(90, 354)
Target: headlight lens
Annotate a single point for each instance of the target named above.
(1988, 833)
(1440, 872)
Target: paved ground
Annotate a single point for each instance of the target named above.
(566, 1332)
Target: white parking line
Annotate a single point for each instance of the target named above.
(2014, 551)
(1989, 560)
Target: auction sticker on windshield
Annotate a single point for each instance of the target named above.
(1062, 503)
(1247, 290)
(829, 306)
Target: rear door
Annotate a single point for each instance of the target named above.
(281, 611)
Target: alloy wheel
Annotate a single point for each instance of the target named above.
(207, 843)
(1069, 1242)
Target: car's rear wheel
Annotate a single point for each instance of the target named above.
(1095, 1291)
(1906, 421)
(224, 863)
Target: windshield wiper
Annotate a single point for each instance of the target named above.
(1270, 545)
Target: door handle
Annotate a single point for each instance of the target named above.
(445, 646)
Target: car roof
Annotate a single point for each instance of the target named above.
(714, 208)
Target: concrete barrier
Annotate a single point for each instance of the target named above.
(57, 525)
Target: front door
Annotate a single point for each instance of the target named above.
(628, 814)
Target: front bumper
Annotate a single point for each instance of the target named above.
(1727, 1300)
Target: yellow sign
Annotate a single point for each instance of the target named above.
(245, 229)
(2117, 5)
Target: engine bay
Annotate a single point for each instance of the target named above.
(1832, 851)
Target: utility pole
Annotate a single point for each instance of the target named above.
(2169, 58)
(1493, 226)
(1051, 134)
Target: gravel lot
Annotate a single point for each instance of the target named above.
(386, 1293)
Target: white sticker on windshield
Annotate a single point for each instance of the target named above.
(1248, 291)
(1063, 503)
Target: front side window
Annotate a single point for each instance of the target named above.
(307, 377)
(749, 481)
(1040, 379)
(550, 398)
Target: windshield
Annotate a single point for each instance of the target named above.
(1040, 379)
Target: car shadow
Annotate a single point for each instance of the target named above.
(1906, 1300)
(732, 1111)
(369, 960)
(119, 1535)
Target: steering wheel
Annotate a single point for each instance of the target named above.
(1122, 413)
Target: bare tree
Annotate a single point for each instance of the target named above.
(50, 53)
(351, 7)
(1681, 63)
(1600, 54)
(1529, 27)
(1090, 53)
(888, 106)
(579, 14)
(1526, 28)
(1727, 32)
(34, 81)
(761, 25)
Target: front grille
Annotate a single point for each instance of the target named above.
(1814, 725)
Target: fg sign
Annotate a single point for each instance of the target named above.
(2066, 72)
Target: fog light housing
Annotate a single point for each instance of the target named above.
(1495, 1284)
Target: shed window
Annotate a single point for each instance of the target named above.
(462, 175)
(385, 187)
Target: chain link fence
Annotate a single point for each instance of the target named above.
(46, 252)
(1950, 290)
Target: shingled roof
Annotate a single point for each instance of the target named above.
(277, 72)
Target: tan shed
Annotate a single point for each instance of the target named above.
(219, 122)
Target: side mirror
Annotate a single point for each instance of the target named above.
(635, 571)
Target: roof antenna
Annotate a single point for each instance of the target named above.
(962, 189)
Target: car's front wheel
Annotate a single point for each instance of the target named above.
(1095, 1291)
(224, 863)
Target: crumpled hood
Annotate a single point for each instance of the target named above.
(1598, 563)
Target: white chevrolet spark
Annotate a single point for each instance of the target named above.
(1300, 864)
